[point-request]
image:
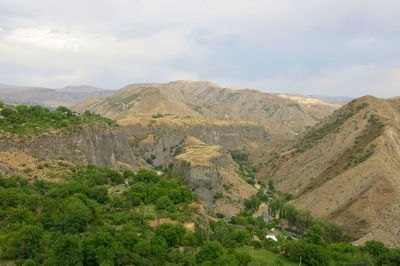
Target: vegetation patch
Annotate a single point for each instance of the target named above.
(296, 105)
(333, 126)
(362, 149)
(246, 168)
(33, 120)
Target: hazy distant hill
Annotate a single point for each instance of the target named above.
(347, 169)
(339, 100)
(49, 97)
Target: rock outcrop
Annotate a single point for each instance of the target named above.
(211, 173)
(99, 145)
(165, 136)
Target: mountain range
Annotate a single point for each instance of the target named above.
(337, 157)
(51, 98)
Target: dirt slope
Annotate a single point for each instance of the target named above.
(281, 116)
(347, 169)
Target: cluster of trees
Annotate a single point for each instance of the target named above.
(86, 220)
(79, 222)
(35, 119)
(320, 242)
(317, 248)
(246, 168)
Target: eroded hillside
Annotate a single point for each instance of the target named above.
(162, 143)
(281, 116)
(347, 169)
(159, 118)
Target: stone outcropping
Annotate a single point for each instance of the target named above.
(99, 145)
(211, 173)
(165, 136)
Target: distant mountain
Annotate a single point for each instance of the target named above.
(280, 115)
(339, 100)
(51, 98)
(82, 88)
(347, 169)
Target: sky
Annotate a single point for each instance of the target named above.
(326, 47)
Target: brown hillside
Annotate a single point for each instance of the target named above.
(282, 116)
(347, 169)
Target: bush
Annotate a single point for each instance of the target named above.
(76, 217)
(375, 248)
(210, 251)
(25, 120)
(172, 234)
(164, 203)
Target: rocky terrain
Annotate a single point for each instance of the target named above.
(164, 136)
(281, 116)
(197, 150)
(98, 145)
(346, 169)
(211, 173)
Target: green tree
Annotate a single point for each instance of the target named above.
(23, 244)
(315, 235)
(392, 257)
(99, 247)
(210, 251)
(66, 251)
(76, 217)
(164, 203)
(252, 204)
(99, 193)
(172, 234)
(375, 248)
(315, 255)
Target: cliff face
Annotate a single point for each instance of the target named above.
(211, 173)
(96, 144)
(165, 136)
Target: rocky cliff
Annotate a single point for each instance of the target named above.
(97, 144)
(212, 175)
(164, 136)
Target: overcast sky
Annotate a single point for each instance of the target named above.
(338, 47)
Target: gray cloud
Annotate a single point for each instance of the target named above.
(326, 47)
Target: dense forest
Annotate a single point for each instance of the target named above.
(96, 218)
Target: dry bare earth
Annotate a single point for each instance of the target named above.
(282, 116)
(32, 168)
(347, 169)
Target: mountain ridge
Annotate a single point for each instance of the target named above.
(47, 97)
(346, 169)
(283, 117)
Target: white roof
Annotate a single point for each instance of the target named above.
(271, 237)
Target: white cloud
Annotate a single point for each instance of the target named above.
(44, 39)
(290, 45)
